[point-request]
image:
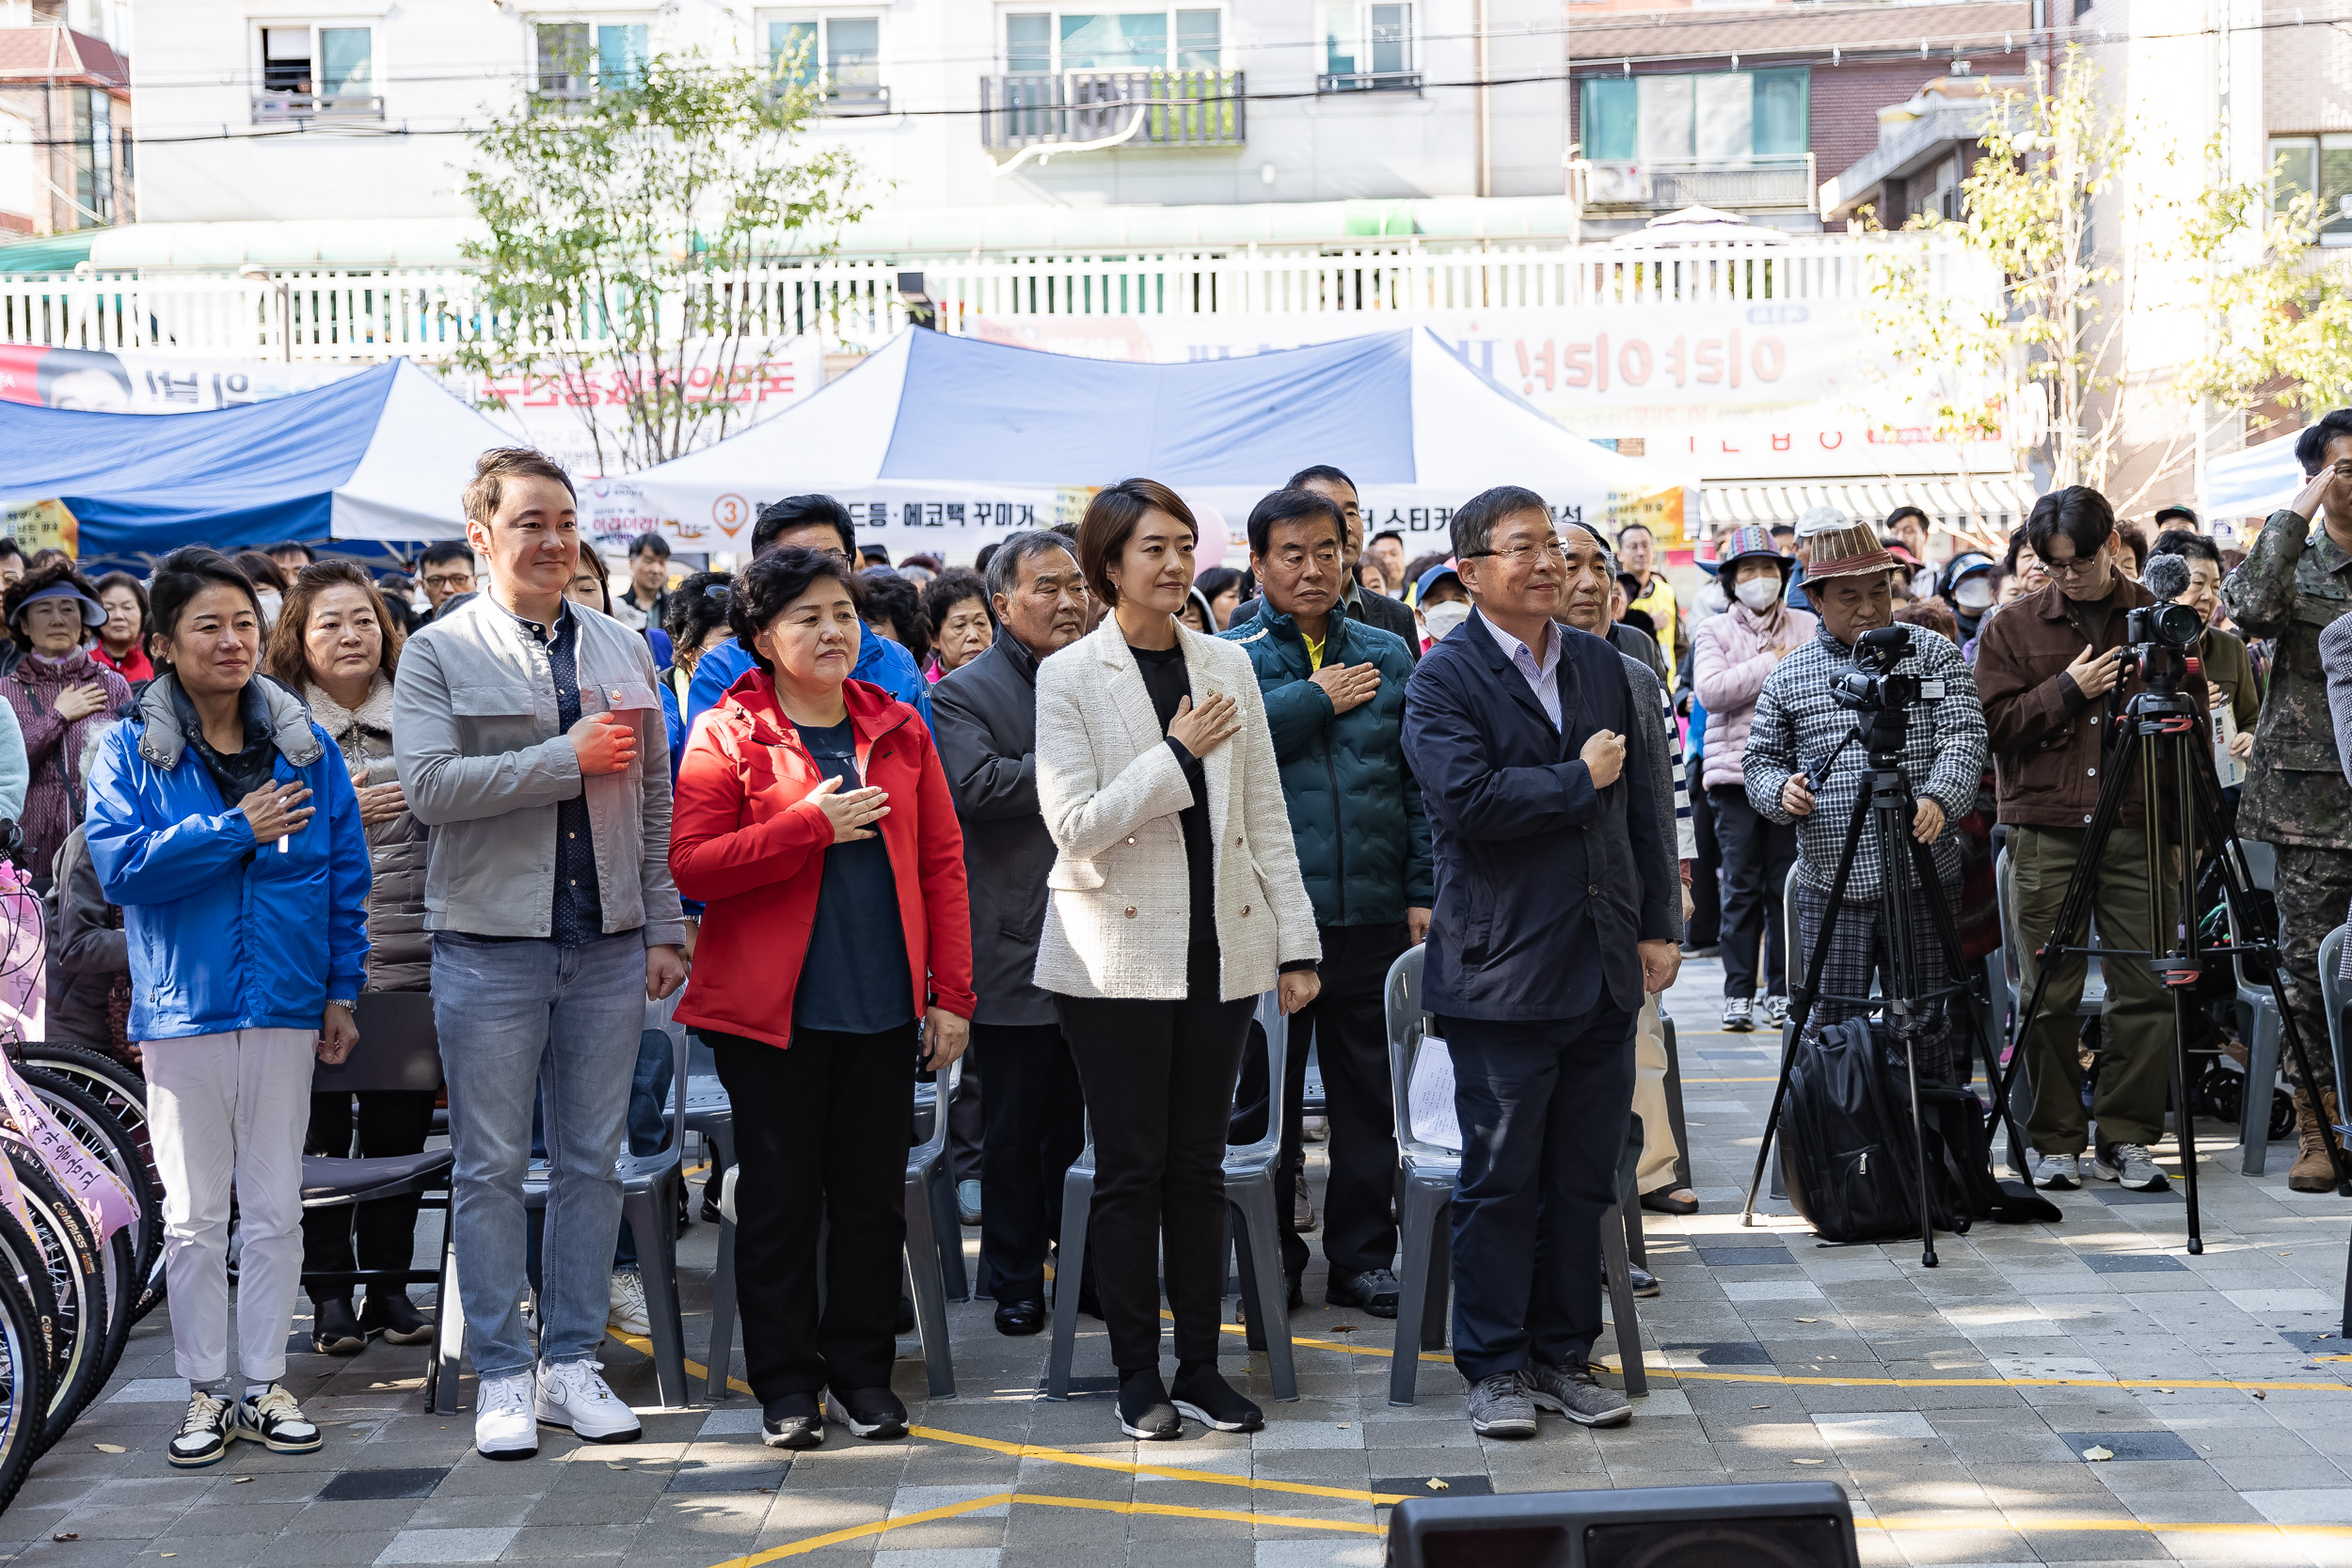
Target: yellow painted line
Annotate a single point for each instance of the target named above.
(1165, 1472)
(1169, 1510)
(859, 1533)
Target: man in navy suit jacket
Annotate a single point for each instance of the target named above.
(1545, 933)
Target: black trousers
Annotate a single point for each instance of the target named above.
(821, 1131)
(1545, 1107)
(1036, 1124)
(1159, 1085)
(1705, 926)
(1348, 1025)
(1756, 857)
(389, 1122)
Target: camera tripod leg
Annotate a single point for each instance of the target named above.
(2186, 1126)
(1977, 1000)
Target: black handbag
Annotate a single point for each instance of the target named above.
(1845, 1155)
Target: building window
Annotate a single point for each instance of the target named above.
(1367, 47)
(309, 72)
(93, 158)
(842, 54)
(2321, 166)
(1716, 118)
(1051, 43)
(577, 59)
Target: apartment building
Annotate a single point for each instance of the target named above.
(65, 117)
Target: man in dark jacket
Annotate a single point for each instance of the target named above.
(2049, 669)
(1549, 930)
(984, 721)
(1372, 610)
(1334, 692)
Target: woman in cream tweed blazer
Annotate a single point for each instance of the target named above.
(1156, 778)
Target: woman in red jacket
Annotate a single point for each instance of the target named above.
(814, 822)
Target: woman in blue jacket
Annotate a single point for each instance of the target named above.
(224, 824)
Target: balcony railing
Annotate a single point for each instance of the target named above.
(849, 99)
(275, 107)
(1783, 184)
(1369, 80)
(1181, 108)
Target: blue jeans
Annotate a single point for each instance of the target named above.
(519, 1018)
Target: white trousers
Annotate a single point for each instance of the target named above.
(1649, 1098)
(224, 1109)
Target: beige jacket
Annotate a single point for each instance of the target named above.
(1110, 790)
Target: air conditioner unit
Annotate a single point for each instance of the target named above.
(1606, 184)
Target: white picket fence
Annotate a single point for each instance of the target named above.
(430, 313)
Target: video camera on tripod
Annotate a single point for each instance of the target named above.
(1871, 685)
(2158, 638)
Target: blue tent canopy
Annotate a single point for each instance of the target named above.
(383, 454)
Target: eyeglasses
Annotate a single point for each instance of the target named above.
(447, 580)
(2079, 566)
(1518, 555)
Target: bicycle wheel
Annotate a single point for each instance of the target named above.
(21, 1260)
(121, 1092)
(77, 1272)
(90, 1125)
(25, 1384)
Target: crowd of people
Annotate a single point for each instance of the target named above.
(1065, 816)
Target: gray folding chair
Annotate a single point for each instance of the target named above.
(2258, 1026)
(710, 1113)
(1249, 1202)
(652, 1188)
(926, 1174)
(398, 1050)
(1425, 1204)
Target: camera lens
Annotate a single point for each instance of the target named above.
(2178, 626)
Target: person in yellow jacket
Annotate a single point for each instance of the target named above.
(1637, 548)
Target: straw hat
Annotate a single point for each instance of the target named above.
(1849, 553)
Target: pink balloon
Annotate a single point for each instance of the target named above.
(1209, 549)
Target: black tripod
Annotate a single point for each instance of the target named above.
(2159, 738)
(1889, 807)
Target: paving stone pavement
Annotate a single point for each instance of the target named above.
(1953, 1404)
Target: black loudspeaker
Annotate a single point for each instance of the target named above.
(1773, 1524)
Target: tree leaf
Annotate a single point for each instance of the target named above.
(2097, 1452)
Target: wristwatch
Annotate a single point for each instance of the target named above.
(346, 1003)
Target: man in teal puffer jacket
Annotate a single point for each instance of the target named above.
(1334, 690)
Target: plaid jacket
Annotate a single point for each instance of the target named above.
(1798, 724)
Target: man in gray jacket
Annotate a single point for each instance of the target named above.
(530, 740)
(984, 721)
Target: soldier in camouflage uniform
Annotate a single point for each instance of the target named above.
(2293, 583)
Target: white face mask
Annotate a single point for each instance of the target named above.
(1443, 617)
(1759, 594)
(1973, 594)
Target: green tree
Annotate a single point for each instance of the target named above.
(634, 222)
(2060, 188)
(2286, 322)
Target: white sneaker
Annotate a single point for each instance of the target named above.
(1775, 1010)
(502, 1427)
(572, 1395)
(629, 1305)
(2132, 1166)
(2059, 1173)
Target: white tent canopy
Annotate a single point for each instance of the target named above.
(945, 444)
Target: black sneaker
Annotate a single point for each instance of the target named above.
(1644, 1282)
(1203, 1394)
(793, 1421)
(390, 1313)
(334, 1331)
(203, 1434)
(874, 1413)
(1143, 1408)
(1374, 1292)
(277, 1422)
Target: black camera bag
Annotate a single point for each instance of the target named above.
(1845, 1142)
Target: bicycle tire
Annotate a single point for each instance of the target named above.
(77, 1271)
(25, 1384)
(89, 1124)
(20, 1260)
(121, 1092)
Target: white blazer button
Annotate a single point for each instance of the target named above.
(1131, 912)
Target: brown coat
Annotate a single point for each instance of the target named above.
(400, 950)
(2046, 736)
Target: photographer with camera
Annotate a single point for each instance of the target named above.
(1799, 770)
(2293, 585)
(2052, 668)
